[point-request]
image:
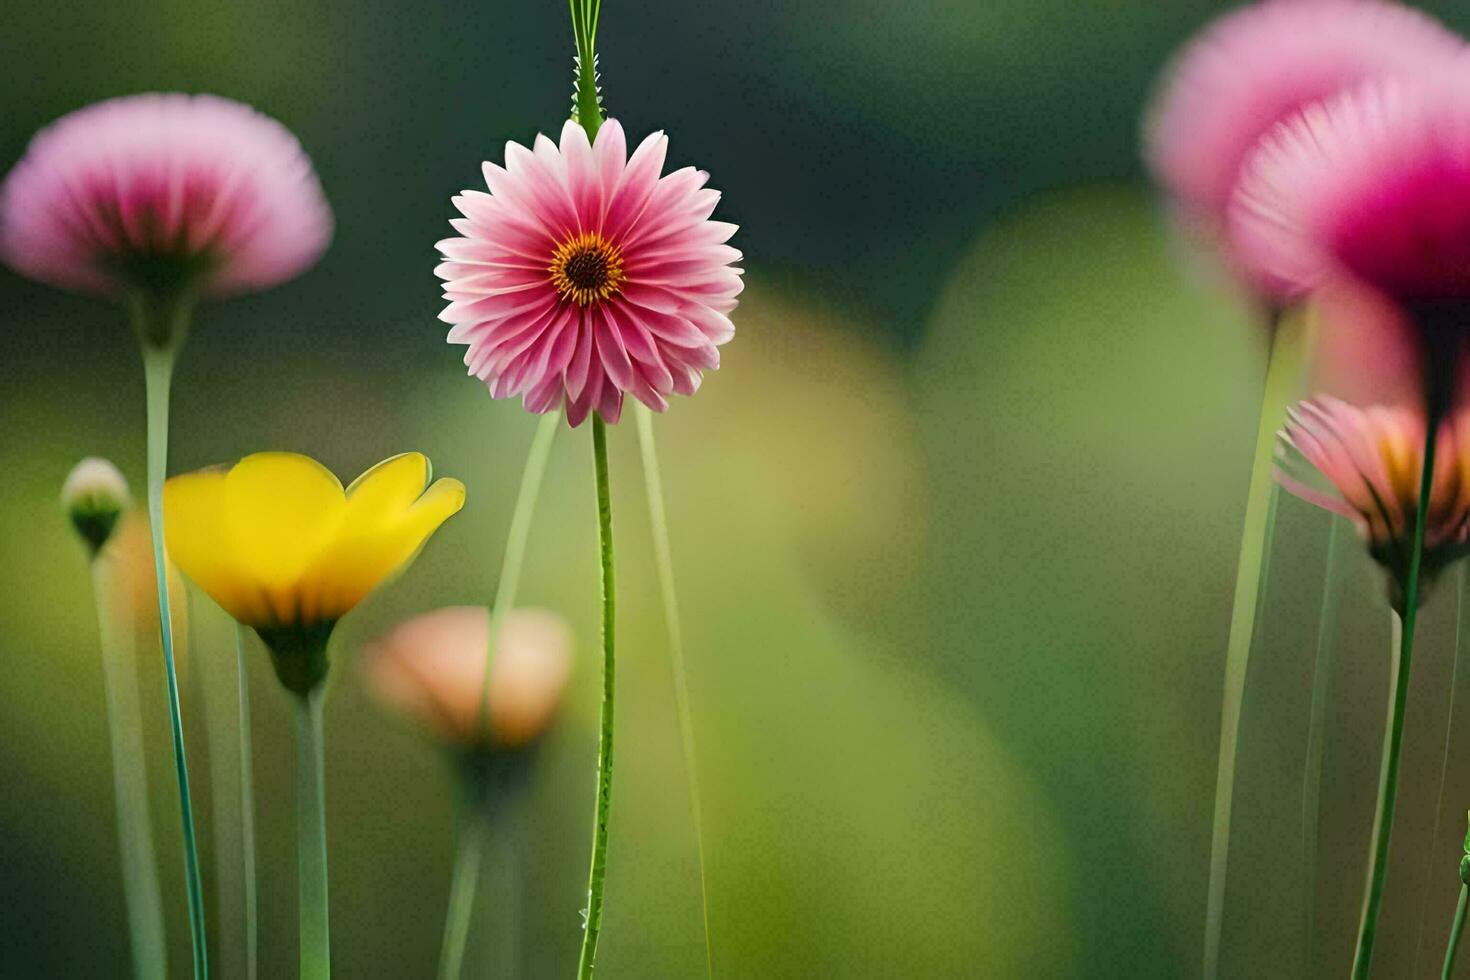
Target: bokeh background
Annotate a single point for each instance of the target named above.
(955, 524)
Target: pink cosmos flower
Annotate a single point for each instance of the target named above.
(1260, 65)
(1373, 184)
(1373, 458)
(584, 275)
(132, 190)
(432, 668)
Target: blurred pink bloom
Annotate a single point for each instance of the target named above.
(432, 668)
(1373, 458)
(1258, 66)
(1372, 184)
(584, 275)
(1365, 350)
(123, 192)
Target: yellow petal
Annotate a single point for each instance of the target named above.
(282, 510)
(195, 529)
(386, 491)
(362, 557)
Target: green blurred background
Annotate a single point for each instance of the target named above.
(955, 524)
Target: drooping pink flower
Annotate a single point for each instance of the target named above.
(1258, 66)
(432, 668)
(1373, 458)
(1365, 349)
(127, 191)
(584, 275)
(1373, 184)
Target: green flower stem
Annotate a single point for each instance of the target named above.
(130, 785)
(1455, 931)
(508, 847)
(1393, 743)
(227, 721)
(247, 808)
(1317, 731)
(311, 837)
(158, 364)
(1462, 623)
(585, 15)
(664, 560)
(597, 876)
(515, 548)
(464, 880)
(1250, 588)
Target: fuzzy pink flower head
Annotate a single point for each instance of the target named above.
(143, 188)
(432, 668)
(1373, 458)
(584, 275)
(1258, 66)
(1373, 184)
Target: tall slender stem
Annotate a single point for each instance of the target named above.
(585, 14)
(598, 874)
(158, 364)
(463, 882)
(1455, 931)
(515, 547)
(664, 561)
(1250, 590)
(1317, 734)
(1462, 623)
(1393, 744)
(247, 808)
(130, 783)
(311, 837)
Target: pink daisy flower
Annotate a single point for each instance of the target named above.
(1373, 458)
(139, 191)
(584, 275)
(1260, 65)
(1374, 184)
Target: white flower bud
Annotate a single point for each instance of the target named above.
(94, 494)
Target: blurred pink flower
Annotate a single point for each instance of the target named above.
(432, 668)
(124, 192)
(1365, 350)
(584, 275)
(1373, 458)
(1256, 67)
(1372, 184)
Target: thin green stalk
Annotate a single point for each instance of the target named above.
(509, 848)
(1462, 623)
(1393, 745)
(597, 876)
(1317, 733)
(585, 15)
(664, 561)
(247, 808)
(515, 547)
(1250, 590)
(130, 785)
(474, 828)
(311, 837)
(158, 364)
(213, 682)
(1454, 947)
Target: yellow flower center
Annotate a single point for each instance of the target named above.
(587, 269)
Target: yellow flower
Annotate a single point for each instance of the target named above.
(284, 549)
